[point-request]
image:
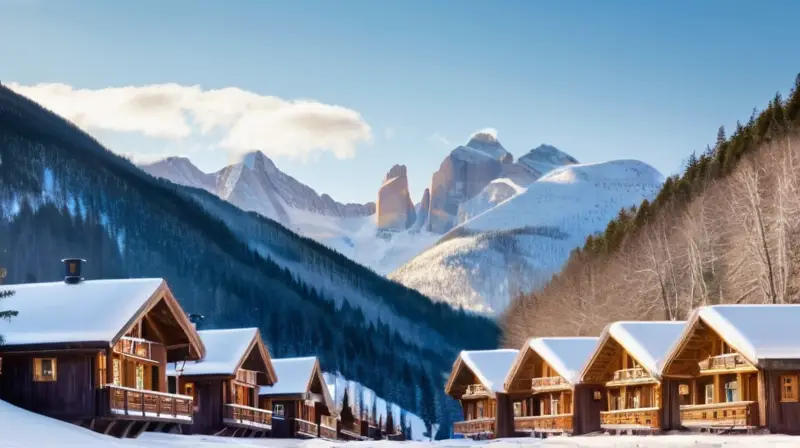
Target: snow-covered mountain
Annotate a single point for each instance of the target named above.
(518, 244)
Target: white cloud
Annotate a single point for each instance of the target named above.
(439, 138)
(238, 120)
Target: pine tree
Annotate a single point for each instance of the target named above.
(8, 314)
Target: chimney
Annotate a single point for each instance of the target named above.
(72, 270)
(195, 319)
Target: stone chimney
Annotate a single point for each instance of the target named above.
(72, 270)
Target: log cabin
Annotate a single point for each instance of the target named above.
(95, 353)
(545, 388)
(225, 383)
(737, 367)
(300, 401)
(477, 381)
(627, 363)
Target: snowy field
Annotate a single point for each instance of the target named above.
(23, 429)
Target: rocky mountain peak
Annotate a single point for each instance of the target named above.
(395, 208)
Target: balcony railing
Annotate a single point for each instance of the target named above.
(306, 428)
(140, 348)
(327, 427)
(246, 376)
(548, 383)
(728, 361)
(734, 414)
(235, 414)
(474, 390)
(634, 375)
(544, 423)
(472, 427)
(632, 418)
(147, 403)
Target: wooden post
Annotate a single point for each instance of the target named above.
(110, 366)
(141, 403)
(717, 389)
(693, 392)
(762, 399)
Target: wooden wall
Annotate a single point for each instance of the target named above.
(783, 418)
(71, 397)
(504, 418)
(209, 414)
(586, 410)
(283, 428)
(670, 404)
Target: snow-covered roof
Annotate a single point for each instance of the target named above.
(649, 342)
(490, 366)
(757, 332)
(225, 350)
(294, 376)
(567, 356)
(89, 311)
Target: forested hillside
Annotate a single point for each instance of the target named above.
(63, 194)
(727, 230)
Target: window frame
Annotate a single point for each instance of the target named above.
(793, 383)
(38, 370)
(278, 409)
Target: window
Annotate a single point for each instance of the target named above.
(480, 409)
(788, 387)
(44, 369)
(732, 391)
(139, 376)
(278, 410)
(553, 406)
(709, 393)
(102, 368)
(117, 372)
(518, 409)
(189, 390)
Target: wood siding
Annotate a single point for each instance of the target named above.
(670, 405)
(586, 410)
(504, 418)
(283, 426)
(71, 397)
(208, 406)
(783, 418)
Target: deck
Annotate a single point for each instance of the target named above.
(561, 423)
(247, 417)
(735, 415)
(636, 419)
(474, 427)
(305, 429)
(135, 404)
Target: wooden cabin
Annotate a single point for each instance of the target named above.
(737, 367)
(627, 364)
(544, 386)
(95, 353)
(354, 424)
(225, 383)
(300, 401)
(477, 381)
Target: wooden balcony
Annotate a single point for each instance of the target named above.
(138, 404)
(475, 390)
(351, 429)
(544, 423)
(327, 427)
(305, 428)
(645, 418)
(246, 416)
(738, 414)
(473, 427)
(548, 384)
(246, 376)
(135, 347)
(630, 376)
(729, 361)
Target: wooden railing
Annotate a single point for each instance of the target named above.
(147, 403)
(631, 375)
(353, 427)
(549, 382)
(327, 427)
(475, 390)
(306, 428)
(140, 348)
(555, 423)
(646, 417)
(246, 376)
(247, 416)
(470, 427)
(728, 361)
(735, 414)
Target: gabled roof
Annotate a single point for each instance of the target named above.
(89, 313)
(226, 352)
(566, 355)
(757, 332)
(489, 366)
(295, 377)
(648, 342)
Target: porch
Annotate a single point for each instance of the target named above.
(475, 427)
(327, 427)
(139, 404)
(305, 429)
(544, 423)
(240, 416)
(633, 419)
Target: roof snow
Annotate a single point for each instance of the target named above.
(90, 311)
(490, 366)
(566, 356)
(757, 331)
(648, 342)
(294, 375)
(224, 351)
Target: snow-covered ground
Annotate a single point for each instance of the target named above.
(23, 429)
(521, 242)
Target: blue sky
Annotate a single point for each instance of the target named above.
(647, 80)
